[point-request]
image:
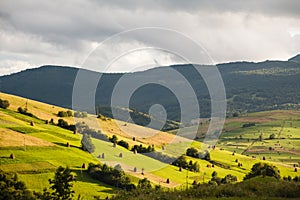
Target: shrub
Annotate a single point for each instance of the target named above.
(144, 184)
(123, 144)
(4, 104)
(80, 114)
(248, 124)
(272, 136)
(24, 112)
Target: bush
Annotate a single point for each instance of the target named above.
(80, 114)
(4, 104)
(144, 184)
(123, 144)
(272, 136)
(248, 124)
(24, 112)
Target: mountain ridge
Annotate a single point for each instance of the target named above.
(250, 87)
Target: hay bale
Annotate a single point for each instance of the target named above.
(168, 181)
(121, 155)
(12, 156)
(83, 166)
(68, 144)
(31, 123)
(135, 169)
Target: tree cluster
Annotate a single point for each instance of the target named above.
(141, 149)
(64, 124)
(263, 169)
(182, 162)
(79, 114)
(25, 112)
(111, 176)
(67, 113)
(114, 139)
(215, 180)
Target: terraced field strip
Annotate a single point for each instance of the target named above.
(35, 167)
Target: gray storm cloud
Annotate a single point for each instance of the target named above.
(34, 33)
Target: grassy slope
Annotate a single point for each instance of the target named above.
(74, 157)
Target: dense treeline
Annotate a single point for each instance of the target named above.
(256, 188)
(112, 176)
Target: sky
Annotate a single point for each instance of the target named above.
(36, 33)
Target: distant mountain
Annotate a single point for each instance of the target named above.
(249, 87)
(295, 58)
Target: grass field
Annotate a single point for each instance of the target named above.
(41, 148)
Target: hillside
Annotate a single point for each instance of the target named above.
(41, 148)
(250, 87)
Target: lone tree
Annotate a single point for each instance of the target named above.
(87, 144)
(61, 186)
(263, 169)
(4, 104)
(113, 139)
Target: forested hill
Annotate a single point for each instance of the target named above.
(249, 86)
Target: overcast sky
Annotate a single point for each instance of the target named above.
(35, 33)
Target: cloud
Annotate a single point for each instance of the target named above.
(52, 32)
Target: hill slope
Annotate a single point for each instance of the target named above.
(44, 148)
